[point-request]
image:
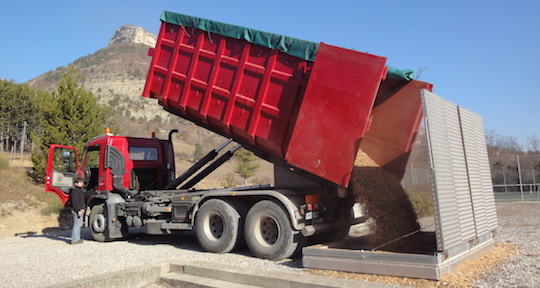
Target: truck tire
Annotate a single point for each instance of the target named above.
(65, 219)
(98, 223)
(269, 233)
(218, 226)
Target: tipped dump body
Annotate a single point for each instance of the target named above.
(305, 103)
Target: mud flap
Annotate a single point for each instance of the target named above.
(117, 225)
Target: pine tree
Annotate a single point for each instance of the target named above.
(229, 181)
(246, 164)
(71, 116)
(17, 105)
(198, 154)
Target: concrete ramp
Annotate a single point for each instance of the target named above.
(200, 274)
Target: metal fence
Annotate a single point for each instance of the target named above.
(517, 192)
(418, 179)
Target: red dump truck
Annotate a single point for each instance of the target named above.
(306, 107)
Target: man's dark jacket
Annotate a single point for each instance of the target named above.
(77, 199)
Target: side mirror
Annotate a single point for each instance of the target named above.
(68, 161)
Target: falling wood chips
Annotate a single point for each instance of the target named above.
(386, 203)
(384, 200)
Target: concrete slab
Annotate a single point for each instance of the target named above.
(195, 274)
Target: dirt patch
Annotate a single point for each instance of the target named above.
(26, 222)
(25, 208)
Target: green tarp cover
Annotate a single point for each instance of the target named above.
(295, 47)
(395, 73)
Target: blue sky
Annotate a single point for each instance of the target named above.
(481, 55)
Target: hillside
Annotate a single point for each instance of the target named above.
(115, 75)
(25, 208)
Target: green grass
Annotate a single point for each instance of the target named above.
(52, 208)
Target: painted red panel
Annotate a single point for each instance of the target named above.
(230, 86)
(397, 113)
(335, 112)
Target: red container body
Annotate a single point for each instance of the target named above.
(311, 114)
(244, 91)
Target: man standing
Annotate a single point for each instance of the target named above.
(77, 210)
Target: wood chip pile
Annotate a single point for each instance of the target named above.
(463, 277)
(386, 203)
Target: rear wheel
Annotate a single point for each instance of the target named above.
(269, 233)
(98, 223)
(219, 226)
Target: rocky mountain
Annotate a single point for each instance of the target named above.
(133, 34)
(116, 75)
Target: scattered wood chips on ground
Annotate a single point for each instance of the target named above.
(464, 276)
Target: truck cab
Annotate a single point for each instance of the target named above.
(123, 165)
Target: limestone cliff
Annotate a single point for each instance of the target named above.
(133, 34)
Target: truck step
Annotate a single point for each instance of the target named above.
(192, 281)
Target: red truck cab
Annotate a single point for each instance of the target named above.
(110, 163)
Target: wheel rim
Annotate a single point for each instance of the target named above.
(267, 231)
(99, 223)
(213, 226)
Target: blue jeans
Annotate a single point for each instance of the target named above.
(77, 224)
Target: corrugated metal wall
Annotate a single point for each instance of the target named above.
(460, 173)
(482, 195)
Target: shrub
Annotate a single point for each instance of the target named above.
(229, 181)
(422, 202)
(51, 208)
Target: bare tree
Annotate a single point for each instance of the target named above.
(420, 70)
(491, 143)
(533, 143)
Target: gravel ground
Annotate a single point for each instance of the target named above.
(520, 226)
(47, 259)
(42, 260)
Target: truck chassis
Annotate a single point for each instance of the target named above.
(274, 223)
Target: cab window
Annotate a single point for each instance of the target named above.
(65, 160)
(143, 153)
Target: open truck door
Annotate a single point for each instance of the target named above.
(62, 170)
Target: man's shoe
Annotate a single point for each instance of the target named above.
(78, 242)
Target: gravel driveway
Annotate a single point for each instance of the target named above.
(42, 260)
(520, 225)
